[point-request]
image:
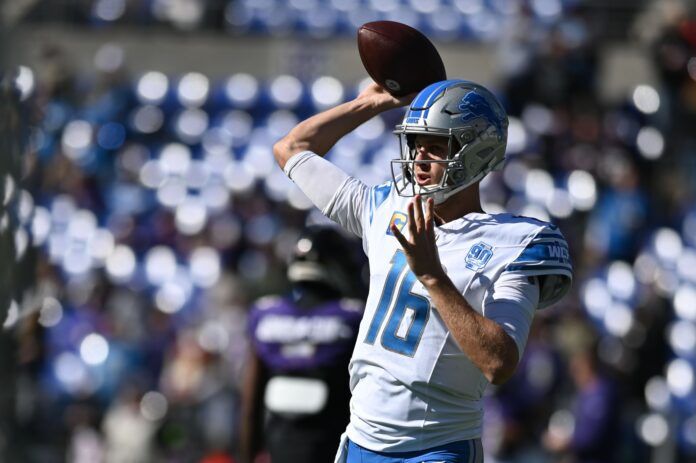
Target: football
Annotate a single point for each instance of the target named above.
(398, 57)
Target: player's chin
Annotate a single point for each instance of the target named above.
(428, 186)
(424, 180)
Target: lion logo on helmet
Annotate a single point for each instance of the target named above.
(474, 105)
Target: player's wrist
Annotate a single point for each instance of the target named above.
(435, 281)
(388, 101)
(368, 106)
(379, 100)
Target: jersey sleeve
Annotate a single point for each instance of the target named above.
(337, 195)
(511, 302)
(342, 198)
(546, 256)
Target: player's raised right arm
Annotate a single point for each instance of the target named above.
(320, 132)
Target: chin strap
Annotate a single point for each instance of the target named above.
(443, 195)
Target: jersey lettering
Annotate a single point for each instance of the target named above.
(288, 329)
(559, 252)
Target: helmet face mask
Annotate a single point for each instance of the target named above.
(404, 169)
(475, 125)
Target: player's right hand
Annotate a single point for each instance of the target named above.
(383, 99)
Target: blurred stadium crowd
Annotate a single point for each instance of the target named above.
(149, 213)
(439, 19)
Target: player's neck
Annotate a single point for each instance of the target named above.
(465, 202)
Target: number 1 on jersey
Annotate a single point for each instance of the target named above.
(394, 337)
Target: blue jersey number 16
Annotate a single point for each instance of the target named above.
(410, 312)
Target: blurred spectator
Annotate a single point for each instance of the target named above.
(86, 442)
(295, 398)
(129, 436)
(555, 66)
(594, 435)
(615, 224)
(445, 20)
(525, 403)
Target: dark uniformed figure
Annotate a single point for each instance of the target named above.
(296, 393)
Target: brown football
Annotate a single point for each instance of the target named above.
(398, 57)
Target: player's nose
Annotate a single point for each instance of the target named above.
(421, 155)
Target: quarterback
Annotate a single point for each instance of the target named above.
(453, 290)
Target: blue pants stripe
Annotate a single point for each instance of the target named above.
(468, 451)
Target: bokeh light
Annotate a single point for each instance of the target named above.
(154, 406)
(326, 92)
(657, 394)
(653, 429)
(94, 349)
(286, 91)
(651, 143)
(213, 337)
(25, 81)
(680, 377)
(121, 264)
(646, 99)
(152, 87)
(51, 312)
(206, 266)
(193, 89)
(242, 90)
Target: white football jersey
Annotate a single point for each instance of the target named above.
(412, 386)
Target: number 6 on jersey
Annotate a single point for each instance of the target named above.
(409, 314)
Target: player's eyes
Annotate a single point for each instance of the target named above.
(433, 149)
(437, 151)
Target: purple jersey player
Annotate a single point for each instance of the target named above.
(295, 399)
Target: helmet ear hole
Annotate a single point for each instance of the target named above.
(484, 153)
(457, 175)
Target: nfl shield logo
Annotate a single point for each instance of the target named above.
(478, 256)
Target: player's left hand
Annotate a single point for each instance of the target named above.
(420, 248)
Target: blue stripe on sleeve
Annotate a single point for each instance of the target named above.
(513, 267)
(554, 252)
(550, 235)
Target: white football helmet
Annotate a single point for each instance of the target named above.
(475, 124)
